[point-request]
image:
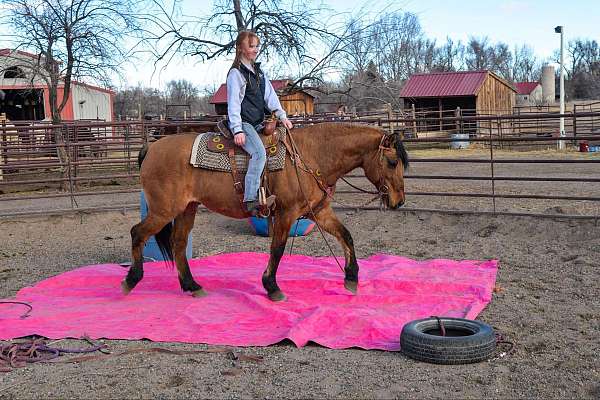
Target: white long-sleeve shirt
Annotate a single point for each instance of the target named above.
(236, 89)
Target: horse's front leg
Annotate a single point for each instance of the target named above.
(330, 223)
(281, 229)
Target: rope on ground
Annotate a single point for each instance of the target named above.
(17, 355)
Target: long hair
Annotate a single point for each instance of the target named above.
(241, 37)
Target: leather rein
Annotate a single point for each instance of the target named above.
(328, 191)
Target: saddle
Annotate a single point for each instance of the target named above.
(269, 126)
(218, 151)
(221, 142)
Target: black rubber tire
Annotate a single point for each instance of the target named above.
(477, 344)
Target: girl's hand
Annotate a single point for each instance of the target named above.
(287, 123)
(239, 138)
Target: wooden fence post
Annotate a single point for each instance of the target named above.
(390, 116)
(414, 117)
(574, 120)
(4, 144)
(456, 121)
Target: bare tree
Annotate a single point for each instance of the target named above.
(71, 40)
(449, 56)
(68, 40)
(139, 102)
(584, 71)
(288, 29)
(526, 66)
(181, 91)
(477, 54)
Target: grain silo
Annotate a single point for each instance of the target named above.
(548, 84)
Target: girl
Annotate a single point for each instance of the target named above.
(250, 96)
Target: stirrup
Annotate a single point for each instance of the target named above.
(268, 202)
(265, 206)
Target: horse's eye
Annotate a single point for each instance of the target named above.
(392, 163)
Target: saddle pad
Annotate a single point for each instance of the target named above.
(201, 157)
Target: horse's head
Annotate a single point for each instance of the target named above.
(386, 170)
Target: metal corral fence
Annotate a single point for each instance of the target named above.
(91, 166)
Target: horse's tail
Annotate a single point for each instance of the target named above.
(142, 154)
(163, 240)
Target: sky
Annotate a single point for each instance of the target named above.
(514, 22)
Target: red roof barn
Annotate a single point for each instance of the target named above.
(529, 93)
(474, 92)
(298, 102)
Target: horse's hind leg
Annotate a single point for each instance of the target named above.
(140, 233)
(327, 220)
(183, 225)
(280, 235)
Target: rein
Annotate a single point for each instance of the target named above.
(382, 188)
(298, 162)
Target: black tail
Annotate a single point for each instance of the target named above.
(142, 154)
(163, 239)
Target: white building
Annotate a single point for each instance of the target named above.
(24, 98)
(529, 93)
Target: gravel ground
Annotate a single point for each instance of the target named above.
(547, 303)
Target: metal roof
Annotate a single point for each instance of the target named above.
(446, 84)
(525, 87)
(220, 96)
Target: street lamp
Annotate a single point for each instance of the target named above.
(561, 143)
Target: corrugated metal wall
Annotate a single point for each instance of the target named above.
(90, 103)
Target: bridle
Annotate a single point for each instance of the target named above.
(328, 191)
(382, 189)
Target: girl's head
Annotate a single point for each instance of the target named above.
(246, 47)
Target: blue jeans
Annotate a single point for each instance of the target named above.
(258, 158)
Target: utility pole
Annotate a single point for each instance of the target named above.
(560, 29)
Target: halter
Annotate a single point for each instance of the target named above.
(382, 188)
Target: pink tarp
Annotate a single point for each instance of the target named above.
(392, 291)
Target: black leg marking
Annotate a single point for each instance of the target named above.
(134, 276)
(268, 280)
(351, 268)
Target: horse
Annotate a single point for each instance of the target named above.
(317, 156)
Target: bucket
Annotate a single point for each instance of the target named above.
(302, 227)
(459, 144)
(151, 250)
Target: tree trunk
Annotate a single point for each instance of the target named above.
(59, 138)
(239, 18)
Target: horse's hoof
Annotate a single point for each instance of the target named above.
(352, 286)
(199, 293)
(125, 287)
(277, 296)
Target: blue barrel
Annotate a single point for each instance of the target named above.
(302, 227)
(151, 249)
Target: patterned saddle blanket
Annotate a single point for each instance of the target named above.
(211, 151)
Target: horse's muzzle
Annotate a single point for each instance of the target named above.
(391, 206)
(397, 205)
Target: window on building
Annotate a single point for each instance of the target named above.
(14, 72)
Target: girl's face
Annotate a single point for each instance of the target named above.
(250, 49)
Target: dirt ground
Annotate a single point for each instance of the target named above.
(547, 303)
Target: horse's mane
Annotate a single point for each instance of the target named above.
(401, 153)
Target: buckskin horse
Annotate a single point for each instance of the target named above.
(318, 156)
